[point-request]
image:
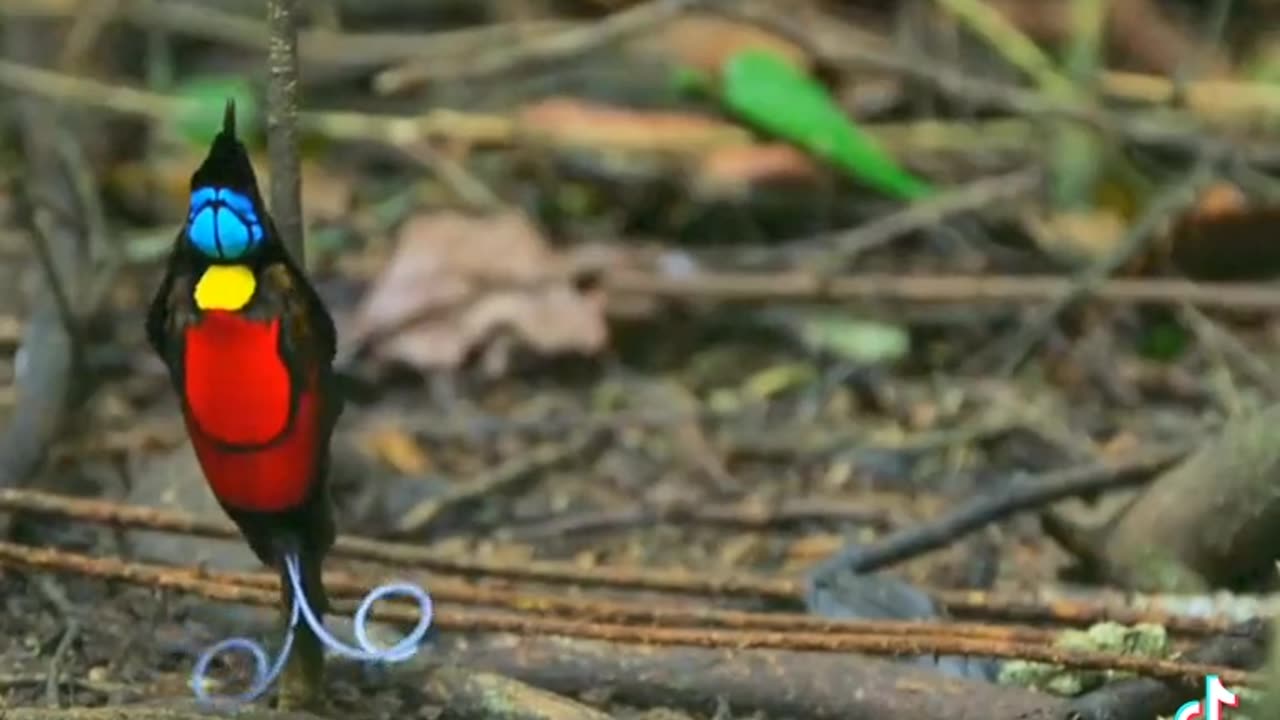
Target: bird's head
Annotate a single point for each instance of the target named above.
(226, 222)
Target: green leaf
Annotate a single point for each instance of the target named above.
(777, 379)
(691, 81)
(859, 341)
(1164, 341)
(773, 94)
(207, 95)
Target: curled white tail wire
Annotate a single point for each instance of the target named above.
(266, 671)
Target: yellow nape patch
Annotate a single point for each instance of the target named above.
(225, 287)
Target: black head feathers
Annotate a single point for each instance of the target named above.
(226, 221)
(227, 164)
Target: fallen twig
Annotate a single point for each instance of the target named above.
(847, 246)
(189, 580)
(1219, 102)
(571, 42)
(1206, 523)
(1170, 203)
(9, 681)
(316, 47)
(418, 519)
(403, 555)
(663, 614)
(958, 602)
(1009, 41)
(750, 514)
(1017, 496)
(820, 686)
(597, 610)
(922, 288)
(57, 597)
(487, 696)
(479, 129)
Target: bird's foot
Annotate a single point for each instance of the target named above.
(300, 688)
(302, 680)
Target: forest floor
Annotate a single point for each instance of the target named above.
(633, 388)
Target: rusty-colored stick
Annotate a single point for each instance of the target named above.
(401, 555)
(958, 602)
(193, 581)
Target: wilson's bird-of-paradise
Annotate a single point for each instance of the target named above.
(250, 346)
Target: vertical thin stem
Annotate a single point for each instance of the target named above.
(302, 681)
(1078, 153)
(282, 126)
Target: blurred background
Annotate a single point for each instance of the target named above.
(717, 286)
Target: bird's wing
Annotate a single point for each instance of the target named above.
(171, 310)
(308, 339)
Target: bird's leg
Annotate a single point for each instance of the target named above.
(302, 681)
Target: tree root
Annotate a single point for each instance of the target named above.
(1212, 521)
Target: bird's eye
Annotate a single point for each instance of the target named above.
(223, 223)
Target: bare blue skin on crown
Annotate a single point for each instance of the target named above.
(222, 223)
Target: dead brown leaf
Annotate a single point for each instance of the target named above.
(569, 121)
(705, 41)
(1219, 200)
(1078, 238)
(397, 449)
(736, 167)
(456, 283)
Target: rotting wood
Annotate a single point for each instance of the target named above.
(486, 696)
(784, 684)
(1210, 521)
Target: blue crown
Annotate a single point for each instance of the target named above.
(222, 223)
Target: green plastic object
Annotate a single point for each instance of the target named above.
(777, 97)
(201, 117)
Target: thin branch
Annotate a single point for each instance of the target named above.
(750, 514)
(315, 47)
(1006, 39)
(665, 614)
(477, 129)
(570, 43)
(405, 555)
(847, 246)
(455, 619)
(282, 126)
(746, 287)
(985, 509)
(1047, 609)
(1170, 203)
(419, 519)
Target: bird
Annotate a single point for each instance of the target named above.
(250, 347)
